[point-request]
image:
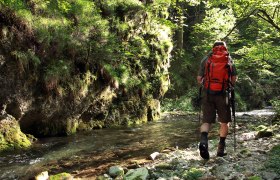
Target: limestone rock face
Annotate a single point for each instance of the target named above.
(111, 69)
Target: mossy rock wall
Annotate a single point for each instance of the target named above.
(66, 67)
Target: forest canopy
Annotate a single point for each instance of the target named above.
(249, 27)
(251, 31)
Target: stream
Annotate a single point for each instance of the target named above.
(88, 154)
(98, 147)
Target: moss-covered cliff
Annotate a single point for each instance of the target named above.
(11, 136)
(76, 65)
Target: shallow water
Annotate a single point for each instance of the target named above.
(104, 146)
(262, 112)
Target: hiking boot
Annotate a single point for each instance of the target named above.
(221, 150)
(203, 149)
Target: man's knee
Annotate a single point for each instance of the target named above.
(205, 127)
(224, 126)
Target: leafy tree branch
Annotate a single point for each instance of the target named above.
(241, 21)
(265, 16)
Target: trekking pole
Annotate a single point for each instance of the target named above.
(233, 115)
(199, 112)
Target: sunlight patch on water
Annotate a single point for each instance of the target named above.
(262, 112)
(33, 161)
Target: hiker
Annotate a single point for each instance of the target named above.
(216, 74)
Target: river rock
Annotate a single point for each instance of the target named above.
(221, 160)
(265, 133)
(42, 176)
(140, 173)
(269, 175)
(154, 155)
(223, 171)
(115, 171)
(164, 165)
(248, 136)
(62, 176)
(104, 177)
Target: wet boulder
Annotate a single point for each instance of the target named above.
(115, 171)
(264, 132)
(11, 136)
(42, 176)
(139, 173)
(62, 176)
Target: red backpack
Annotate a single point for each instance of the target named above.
(217, 70)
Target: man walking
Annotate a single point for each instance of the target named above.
(217, 73)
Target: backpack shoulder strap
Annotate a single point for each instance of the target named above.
(230, 70)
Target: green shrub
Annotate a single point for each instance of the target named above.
(276, 105)
(273, 162)
(255, 178)
(14, 4)
(120, 7)
(184, 103)
(192, 174)
(58, 69)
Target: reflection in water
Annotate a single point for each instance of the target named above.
(67, 154)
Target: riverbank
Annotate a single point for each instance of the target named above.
(256, 156)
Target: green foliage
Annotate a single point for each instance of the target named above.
(241, 105)
(120, 7)
(25, 57)
(15, 4)
(257, 64)
(215, 26)
(58, 70)
(183, 74)
(273, 162)
(143, 52)
(183, 103)
(255, 178)
(276, 105)
(250, 94)
(85, 82)
(258, 59)
(192, 174)
(122, 27)
(164, 2)
(70, 42)
(120, 73)
(252, 36)
(134, 81)
(131, 39)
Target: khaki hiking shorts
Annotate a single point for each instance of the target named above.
(215, 104)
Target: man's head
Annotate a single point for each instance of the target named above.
(219, 43)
